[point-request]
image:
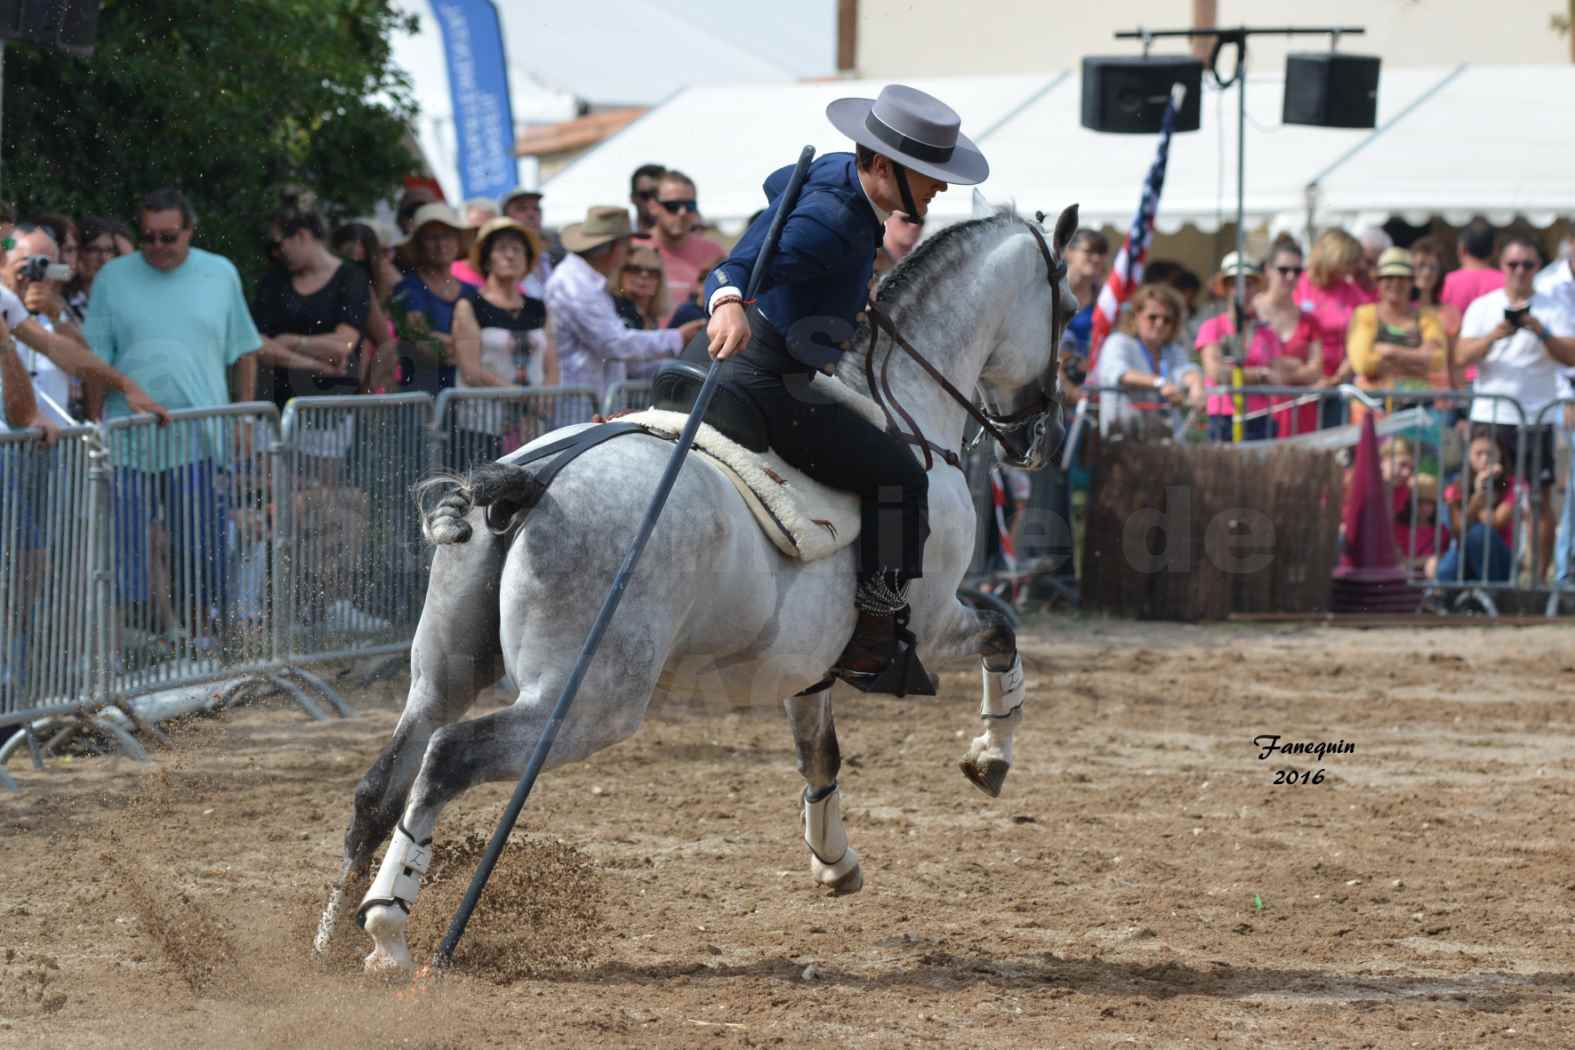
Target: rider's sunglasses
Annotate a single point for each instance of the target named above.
(674, 207)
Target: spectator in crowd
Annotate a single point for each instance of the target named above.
(424, 300)
(1519, 339)
(411, 201)
(684, 251)
(314, 310)
(642, 283)
(1218, 348)
(595, 347)
(359, 244)
(1144, 357)
(54, 350)
(511, 344)
(1299, 358)
(99, 246)
(175, 320)
(1558, 277)
(1328, 290)
(902, 236)
(1482, 550)
(18, 407)
(1394, 344)
(478, 212)
(1427, 259)
(524, 207)
(173, 316)
(1374, 243)
(1087, 264)
(691, 308)
(642, 195)
(1477, 275)
(1419, 536)
(66, 236)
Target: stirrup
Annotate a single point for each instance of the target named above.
(903, 674)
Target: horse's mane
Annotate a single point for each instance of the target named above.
(937, 253)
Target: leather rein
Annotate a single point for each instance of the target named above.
(996, 426)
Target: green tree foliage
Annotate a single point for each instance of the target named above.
(228, 99)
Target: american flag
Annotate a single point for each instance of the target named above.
(1127, 273)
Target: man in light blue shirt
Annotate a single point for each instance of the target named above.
(175, 320)
(174, 317)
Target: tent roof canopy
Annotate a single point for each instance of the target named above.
(1455, 142)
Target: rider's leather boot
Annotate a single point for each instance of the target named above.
(873, 644)
(881, 656)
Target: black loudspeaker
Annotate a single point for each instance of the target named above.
(1331, 90)
(69, 25)
(1127, 95)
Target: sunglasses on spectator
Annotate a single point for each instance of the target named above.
(644, 195)
(674, 207)
(164, 237)
(1288, 271)
(1520, 264)
(644, 271)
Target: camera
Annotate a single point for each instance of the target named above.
(40, 268)
(1517, 317)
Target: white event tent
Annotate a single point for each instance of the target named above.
(1450, 142)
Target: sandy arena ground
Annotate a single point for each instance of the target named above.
(1142, 883)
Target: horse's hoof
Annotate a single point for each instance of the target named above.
(988, 776)
(389, 954)
(850, 883)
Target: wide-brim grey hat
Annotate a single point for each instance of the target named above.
(915, 129)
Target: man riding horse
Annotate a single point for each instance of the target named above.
(909, 147)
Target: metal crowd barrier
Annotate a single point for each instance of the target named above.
(627, 395)
(181, 569)
(232, 544)
(345, 533)
(50, 517)
(474, 426)
(1433, 428)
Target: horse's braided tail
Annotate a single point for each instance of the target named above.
(507, 493)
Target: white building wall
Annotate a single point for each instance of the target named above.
(904, 38)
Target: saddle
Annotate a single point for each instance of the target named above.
(677, 384)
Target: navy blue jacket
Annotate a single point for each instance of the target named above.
(819, 278)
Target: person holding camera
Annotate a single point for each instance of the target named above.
(53, 350)
(1520, 339)
(1480, 504)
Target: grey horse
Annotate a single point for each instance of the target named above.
(713, 605)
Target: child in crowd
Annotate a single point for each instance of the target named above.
(1484, 519)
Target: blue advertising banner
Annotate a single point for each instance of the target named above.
(478, 81)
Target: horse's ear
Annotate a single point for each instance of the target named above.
(981, 207)
(1065, 226)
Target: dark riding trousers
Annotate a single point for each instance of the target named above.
(838, 447)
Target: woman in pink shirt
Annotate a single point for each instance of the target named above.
(1329, 292)
(1217, 367)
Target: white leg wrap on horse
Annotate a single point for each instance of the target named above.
(830, 855)
(1001, 710)
(399, 877)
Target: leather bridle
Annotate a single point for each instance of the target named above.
(1008, 430)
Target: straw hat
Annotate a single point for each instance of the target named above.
(1395, 262)
(426, 215)
(603, 225)
(493, 227)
